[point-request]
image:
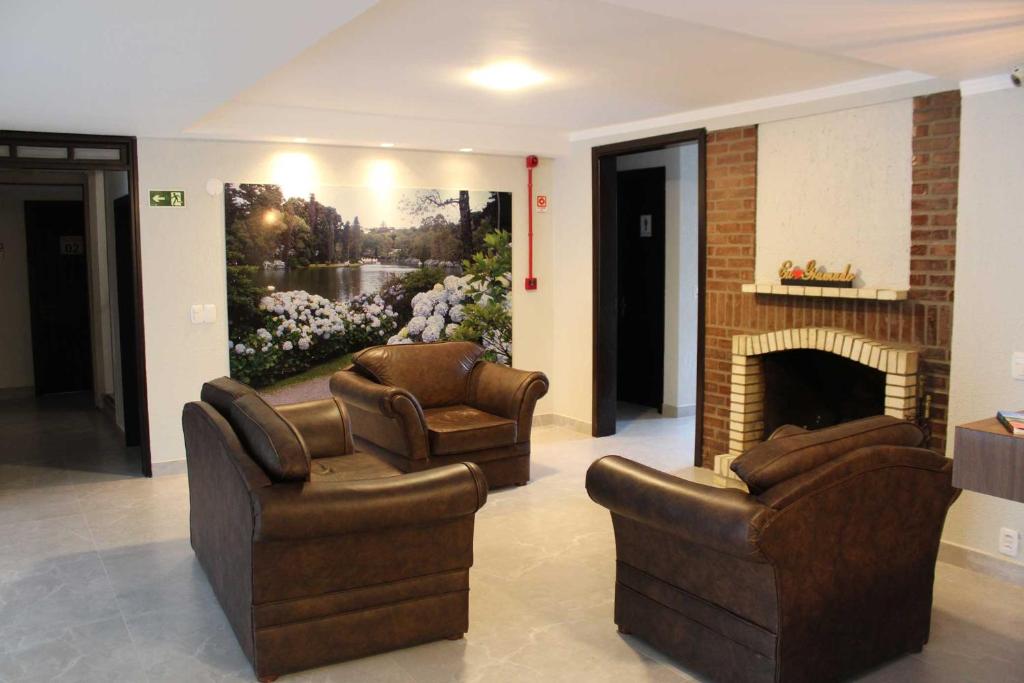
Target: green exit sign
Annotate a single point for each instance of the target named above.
(175, 198)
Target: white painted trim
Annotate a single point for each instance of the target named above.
(555, 420)
(975, 560)
(169, 468)
(977, 86)
(678, 411)
(13, 393)
(902, 84)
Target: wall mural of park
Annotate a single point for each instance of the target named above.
(313, 279)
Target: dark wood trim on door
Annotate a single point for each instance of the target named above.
(126, 149)
(605, 247)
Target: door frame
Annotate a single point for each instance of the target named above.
(126, 160)
(605, 272)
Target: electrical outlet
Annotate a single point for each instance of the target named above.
(1009, 541)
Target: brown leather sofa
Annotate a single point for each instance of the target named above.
(425, 405)
(318, 553)
(824, 569)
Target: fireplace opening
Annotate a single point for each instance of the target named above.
(815, 389)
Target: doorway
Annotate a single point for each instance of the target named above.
(640, 356)
(630, 346)
(58, 289)
(75, 261)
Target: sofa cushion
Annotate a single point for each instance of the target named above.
(222, 392)
(774, 461)
(461, 429)
(353, 467)
(270, 439)
(436, 374)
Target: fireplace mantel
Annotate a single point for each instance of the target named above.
(869, 293)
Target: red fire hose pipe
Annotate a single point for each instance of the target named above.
(531, 163)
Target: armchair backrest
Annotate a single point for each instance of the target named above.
(778, 459)
(222, 392)
(855, 464)
(437, 374)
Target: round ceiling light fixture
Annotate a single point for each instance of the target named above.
(507, 75)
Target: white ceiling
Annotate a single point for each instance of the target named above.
(951, 39)
(366, 72)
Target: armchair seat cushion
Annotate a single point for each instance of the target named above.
(352, 467)
(461, 428)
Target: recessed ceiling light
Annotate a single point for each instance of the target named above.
(387, 144)
(465, 149)
(507, 75)
(300, 140)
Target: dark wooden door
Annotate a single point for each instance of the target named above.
(58, 276)
(641, 286)
(127, 323)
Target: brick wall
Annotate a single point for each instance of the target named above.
(924, 320)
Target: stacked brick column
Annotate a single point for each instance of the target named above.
(923, 322)
(933, 242)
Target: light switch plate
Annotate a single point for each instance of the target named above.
(209, 313)
(195, 313)
(1017, 365)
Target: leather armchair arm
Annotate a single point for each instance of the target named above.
(508, 392)
(726, 520)
(288, 512)
(389, 417)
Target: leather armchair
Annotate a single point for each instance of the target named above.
(426, 405)
(318, 553)
(823, 570)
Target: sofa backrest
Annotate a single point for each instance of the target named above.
(222, 392)
(436, 374)
(776, 460)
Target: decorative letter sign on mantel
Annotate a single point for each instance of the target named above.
(812, 274)
(813, 280)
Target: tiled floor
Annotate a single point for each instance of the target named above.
(98, 582)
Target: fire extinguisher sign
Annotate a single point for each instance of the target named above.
(542, 203)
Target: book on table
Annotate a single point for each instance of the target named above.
(1013, 420)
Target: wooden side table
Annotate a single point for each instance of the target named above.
(988, 459)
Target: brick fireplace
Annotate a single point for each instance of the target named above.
(916, 332)
(896, 366)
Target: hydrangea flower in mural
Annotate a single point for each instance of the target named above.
(302, 329)
(476, 306)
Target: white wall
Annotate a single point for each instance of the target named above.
(681, 218)
(987, 324)
(183, 249)
(835, 188)
(16, 332)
